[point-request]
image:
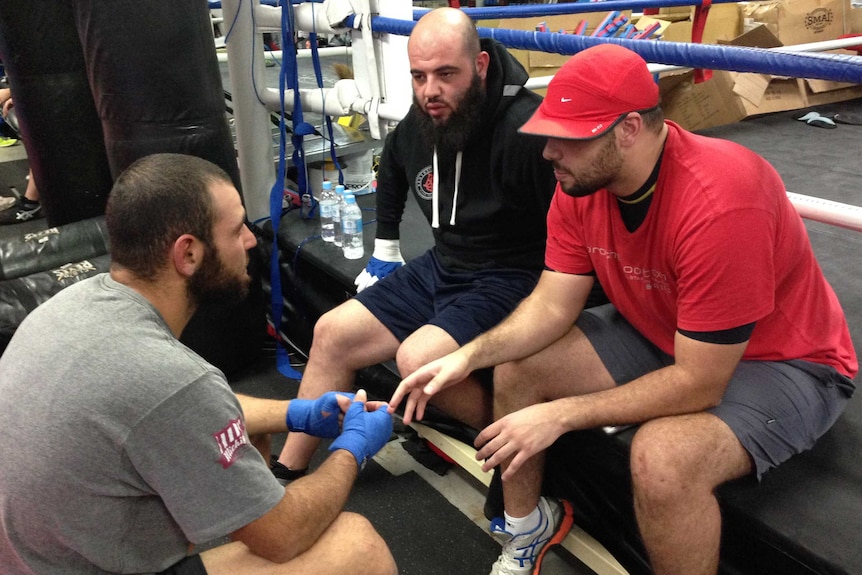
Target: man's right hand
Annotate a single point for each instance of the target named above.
(364, 433)
(426, 381)
(385, 260)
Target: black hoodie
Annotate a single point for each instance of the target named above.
(505, 188)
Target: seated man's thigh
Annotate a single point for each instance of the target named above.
(404, 300)
(779, 409)
(471, 303)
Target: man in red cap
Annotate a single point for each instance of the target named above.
(723, 339)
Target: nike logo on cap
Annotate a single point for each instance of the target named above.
(565, 100)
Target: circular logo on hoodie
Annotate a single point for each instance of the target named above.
(424, 183)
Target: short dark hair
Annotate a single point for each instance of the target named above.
(653, 119)
(156, 200)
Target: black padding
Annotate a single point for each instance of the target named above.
(35, 252)
(20, 296)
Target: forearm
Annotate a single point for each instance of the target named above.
(661, 393)
(539, 320)
(263, 415)
(309, 506)
(317, 499)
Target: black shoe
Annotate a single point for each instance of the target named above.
(283, 473)
(21, 211)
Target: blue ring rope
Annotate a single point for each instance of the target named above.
(531, 10)
(835, 67)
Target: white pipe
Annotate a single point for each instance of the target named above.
(311, 17)
(341, 100)
(827, 211)
(303, 54)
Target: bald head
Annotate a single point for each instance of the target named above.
(446, 29)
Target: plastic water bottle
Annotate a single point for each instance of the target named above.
(327, 206)
(336, 213)
(351, 224)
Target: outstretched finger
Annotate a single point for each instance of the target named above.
(398, 396)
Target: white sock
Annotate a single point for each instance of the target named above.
(522, 524)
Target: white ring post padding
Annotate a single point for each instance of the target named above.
(310, 17)
(253, 128)
(827, 211)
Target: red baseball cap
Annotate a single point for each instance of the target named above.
(592, 91)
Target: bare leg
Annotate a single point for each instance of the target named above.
(32, 192)
(349, 545)
(346, 339)
(566, 368)
(677, 462)
(468, 402)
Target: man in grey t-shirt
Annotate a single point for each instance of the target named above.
(123, 447)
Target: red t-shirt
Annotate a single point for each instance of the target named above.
(721, 247)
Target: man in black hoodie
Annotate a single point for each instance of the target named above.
(484, 188)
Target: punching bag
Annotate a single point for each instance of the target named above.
(157, 86)
(56, 116)
(155, 80)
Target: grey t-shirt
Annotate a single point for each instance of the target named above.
(121, 445)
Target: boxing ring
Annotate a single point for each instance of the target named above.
(776, 523)
(382, 93)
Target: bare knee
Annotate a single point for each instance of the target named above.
(328, 330)
(363, 542)
(413, 353)
(515, 385)
(663, 464)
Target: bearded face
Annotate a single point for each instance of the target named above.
(214, 282)
(591, 174)
(453, 132)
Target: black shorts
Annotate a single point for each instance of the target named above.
(191, 565)
(775, 408)
(463, 304)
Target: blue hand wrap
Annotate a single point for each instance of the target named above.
(318, 417)
(380, 269)
(364, 432)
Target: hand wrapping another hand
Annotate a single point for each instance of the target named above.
(318, 417)
(364, 433)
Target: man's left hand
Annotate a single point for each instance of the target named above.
(519, 436)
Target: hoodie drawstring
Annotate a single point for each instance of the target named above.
(435, 195)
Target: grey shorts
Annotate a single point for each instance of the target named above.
(191, 565)
(775, 408)
(463, 304)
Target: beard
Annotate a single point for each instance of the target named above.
(598, 176)
(212, 283)
(452, 134)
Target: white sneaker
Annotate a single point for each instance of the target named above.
(523, 552)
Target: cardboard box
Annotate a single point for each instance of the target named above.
(540, 63)
(730, 96)
(722, 23)
(853, 19)
(798, 21)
